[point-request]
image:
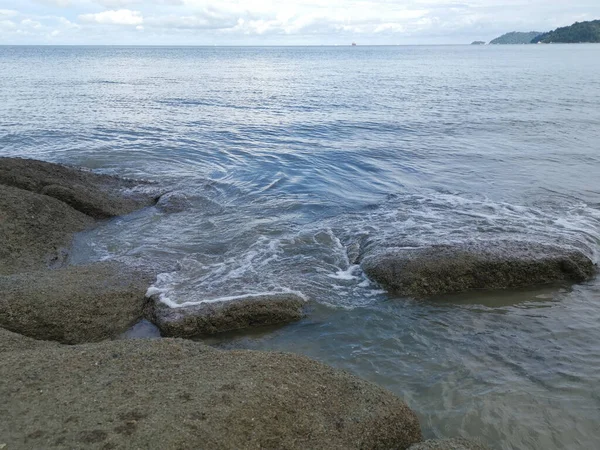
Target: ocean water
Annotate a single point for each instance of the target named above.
(283, 157)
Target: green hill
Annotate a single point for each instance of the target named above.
(516, 38)
(579, 32)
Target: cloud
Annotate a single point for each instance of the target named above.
(7, 25)
(114, 17)
(4, 13)
(127, 3)
(31, 23)
(291, 21)
(59, 3)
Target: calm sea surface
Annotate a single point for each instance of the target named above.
(288, 155)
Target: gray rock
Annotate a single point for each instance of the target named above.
(42, 205)
(98, 196)
(178, 394)
(173, 202)
(218, 317)
(353, 252)
(13, 342)
(35, 230)
(449, 444)
(74, 305)
(442, 269)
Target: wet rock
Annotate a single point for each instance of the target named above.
(42, 205)
(10, 342)
(353, 252)
(442, 269)
(169, 393)
(98, 196)
(449, 444)
(218, 317)
(173, 202)
(35, 230)
(74, 305)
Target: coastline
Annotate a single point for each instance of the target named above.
(84, 310)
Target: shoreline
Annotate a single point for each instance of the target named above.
(89, 283)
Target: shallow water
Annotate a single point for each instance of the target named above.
(288, 155)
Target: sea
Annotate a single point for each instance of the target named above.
(277, 159)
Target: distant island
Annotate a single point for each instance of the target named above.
(579, 32)
(516, 37)
(478, 43)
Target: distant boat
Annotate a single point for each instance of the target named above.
(354, 44)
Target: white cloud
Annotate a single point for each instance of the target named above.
(31, 23)
(7, 25)
(112, 17)
(8, 13)
(127, 3)
(290, 21)
(59, 3)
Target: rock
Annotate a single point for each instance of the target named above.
(74, 305)
(236, 314)
(353, 252)
(173, 202)
(449, 444)
(42, 205)
(98, 196)
(442, 269)
(170, 393)
(10, 342)
(35, 230)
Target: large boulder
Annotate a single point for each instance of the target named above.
(179, 394)
(35, 230)
(449, 444)
(235, 314)
(74, 305)
(442, 269)
(98, 196)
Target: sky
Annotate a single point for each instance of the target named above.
(282, 22)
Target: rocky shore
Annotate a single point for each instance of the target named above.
(67, 382)
(105, 393)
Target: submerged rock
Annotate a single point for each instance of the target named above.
(35, 230)
(173, 202)
(449, 444)
(74, 305)
(236, 314)
(442, 269)
(98, 196)
(170, 393)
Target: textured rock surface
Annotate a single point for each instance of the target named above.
(444, 269)
(73, 305)
(177, 394)
(98, 196)
(35, 230)
(449, 444)
(42, 205)
(13, 342)
(212, 318)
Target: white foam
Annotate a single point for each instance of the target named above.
(347, 274)
(154, 291)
